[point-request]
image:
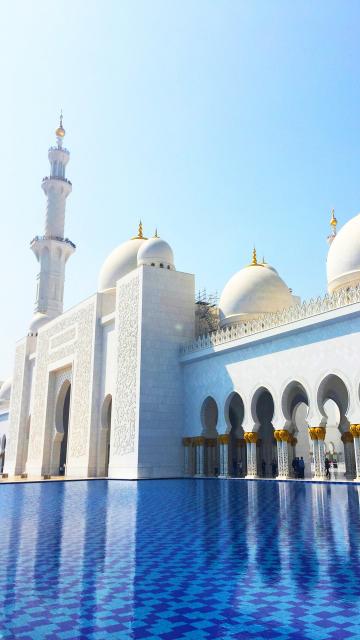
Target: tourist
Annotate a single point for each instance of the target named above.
(263, 468)
(295, 466)
(274, 468)
(327, 467)
(301, 468)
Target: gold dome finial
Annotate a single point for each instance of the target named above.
(254, 258)
(140, 235)
(156, 233)
(333, 220)
(60, 131)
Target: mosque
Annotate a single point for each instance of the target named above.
(141, 380)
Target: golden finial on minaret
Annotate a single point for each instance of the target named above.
(140, 235)
(333, 220)
(333, 224)
(60, 131)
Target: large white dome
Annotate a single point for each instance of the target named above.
(120, 262)
(343, 261)
(155, 252)
(251, 291)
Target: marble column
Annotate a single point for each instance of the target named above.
(349, 455)
(210, 445)
(282, 437)
(355, 432)
(317, 435)
(199, 456)
(223, 441)
(240, 448)
(251, 438)
(187, 456)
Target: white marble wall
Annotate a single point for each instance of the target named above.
(306, 351)
(154, 316)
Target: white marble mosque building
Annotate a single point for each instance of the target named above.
(141, 380)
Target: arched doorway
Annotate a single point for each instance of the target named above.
(62, 419)
(234, 416)
(263, 405)
(333, 403)
(295, 406)
(106, 434)
(208, 448)
(2, 452)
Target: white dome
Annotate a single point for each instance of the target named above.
(120, 262)
(155, 252)
(343, 261)
(5, 392)
(251, 291)
(38, 320)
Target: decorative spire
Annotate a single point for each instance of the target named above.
(60, 131)
(333, 220)
(140, 235)
(333, 224)
(254, 258)
(156, 233)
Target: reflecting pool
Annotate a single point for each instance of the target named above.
(192, 559)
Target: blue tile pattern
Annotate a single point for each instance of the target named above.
(189, 559)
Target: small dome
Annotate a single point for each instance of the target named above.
(120, 262)
(155, 252)
(254, 290)
(5, 392)
(343, 261)
(38, 320)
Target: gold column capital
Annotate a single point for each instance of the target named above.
(317, 433)
(355, 430)
(282, 435)
(251, 436)
(223, 438)
(187, 442)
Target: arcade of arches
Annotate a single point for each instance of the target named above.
(329, 449)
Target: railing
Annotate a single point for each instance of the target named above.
(58, 238)
(57, 178)
(314, 307)
(60, 149)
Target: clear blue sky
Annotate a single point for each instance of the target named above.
(222, 123)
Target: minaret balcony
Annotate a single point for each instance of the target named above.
(57, 178)
(57, 238)
(38, 243)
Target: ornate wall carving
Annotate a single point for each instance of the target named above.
(124, 414)
(62, 338)
(341, 298)
(81, 353)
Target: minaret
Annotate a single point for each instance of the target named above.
(52, 250)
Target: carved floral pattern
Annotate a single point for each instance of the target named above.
(124, 421)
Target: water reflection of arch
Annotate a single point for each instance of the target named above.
(12, 507)
(267, 532)
(49, 539)
(305, 565)
(94, 551)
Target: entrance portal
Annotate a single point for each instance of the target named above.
(65, 424)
